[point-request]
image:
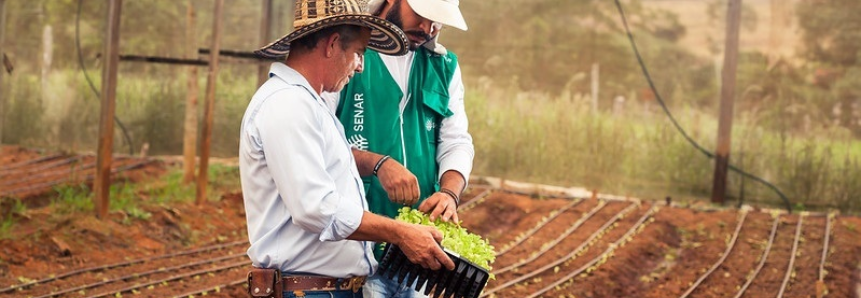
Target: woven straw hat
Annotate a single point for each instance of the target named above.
(314, 15)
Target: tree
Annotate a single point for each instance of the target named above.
(831, 33)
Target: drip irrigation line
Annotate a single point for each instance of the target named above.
(118, 293)
(141, 274)
(215, 289)
(475, 200)
(621, 241)
(128, 139)
(87, 178)
(40, 169)
(825, 246)
(762, 260)
(63, 179)
(596, 235)
(13, 166)
(537, 227)
(717, 264)
(789, 268)
(678, 127)
(550, 245)
(111, 266)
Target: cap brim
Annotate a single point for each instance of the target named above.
(443, 12)
(386, 38)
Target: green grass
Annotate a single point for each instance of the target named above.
(171, 189)
(518, 135)
(72, 199)
(9, 215)
(537, 138)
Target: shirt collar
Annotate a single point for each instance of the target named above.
(292, 77)
(288, 75)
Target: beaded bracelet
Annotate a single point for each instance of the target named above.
(380, 163)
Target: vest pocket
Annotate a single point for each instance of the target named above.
(436, 109)
(437, 102)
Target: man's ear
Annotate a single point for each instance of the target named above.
(333, 41)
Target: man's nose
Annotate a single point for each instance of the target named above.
(428, 26)
(360, 61)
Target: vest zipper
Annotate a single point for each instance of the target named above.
(403, 143)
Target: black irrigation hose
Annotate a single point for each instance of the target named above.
(762, 260)
(660, 99)
(110, 266)
(128, 139)
(717, 264)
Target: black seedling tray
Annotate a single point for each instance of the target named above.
(465, 281)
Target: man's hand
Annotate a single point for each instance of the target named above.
(421, 245)
(440, 204)
(399, 183)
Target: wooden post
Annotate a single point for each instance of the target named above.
(189, 141)
(265, 38)
(2, 67)
(776, 29)
(111, 59)
(724, 139)
(209, 106)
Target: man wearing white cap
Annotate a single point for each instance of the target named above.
(405, 115)
(309, 228)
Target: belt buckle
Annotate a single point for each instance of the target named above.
(355, 283)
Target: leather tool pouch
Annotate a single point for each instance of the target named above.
(265, 283)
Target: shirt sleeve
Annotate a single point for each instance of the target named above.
(294, 142)
(455, 150)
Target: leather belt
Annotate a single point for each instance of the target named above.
(322, 283)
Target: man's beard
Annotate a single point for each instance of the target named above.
(394, 17)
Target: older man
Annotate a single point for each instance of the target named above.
(304, 200)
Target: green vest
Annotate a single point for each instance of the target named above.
(370, 111)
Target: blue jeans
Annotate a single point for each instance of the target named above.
(378, 286)
(325, 294)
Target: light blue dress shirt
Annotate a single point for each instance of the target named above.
(302, 190)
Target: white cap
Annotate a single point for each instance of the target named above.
(445, 12)
(450, 17)
(441, 11)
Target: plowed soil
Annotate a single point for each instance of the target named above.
(185, 250)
